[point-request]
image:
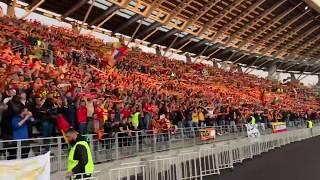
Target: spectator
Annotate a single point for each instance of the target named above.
(20, 130)
(82, 116)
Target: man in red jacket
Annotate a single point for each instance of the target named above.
(82, 117)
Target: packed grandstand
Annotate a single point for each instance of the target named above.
(60, 78)
(81, 86)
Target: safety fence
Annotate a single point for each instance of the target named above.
(122, 145)
(204, 161)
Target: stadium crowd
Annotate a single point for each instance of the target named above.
(59, 74)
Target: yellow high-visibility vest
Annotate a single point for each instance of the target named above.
(89, 168)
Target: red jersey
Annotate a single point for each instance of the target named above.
(82, 115)
(126, 113)
(148, 108)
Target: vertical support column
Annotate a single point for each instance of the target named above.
(318, 83)
(271, 70)
(188, 58)
(292, 77)
(11, 12)
(158, 50)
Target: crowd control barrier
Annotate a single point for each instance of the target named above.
(208, 160)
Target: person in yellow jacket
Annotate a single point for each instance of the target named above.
(80, 163)
(201, 117)
(309, 124)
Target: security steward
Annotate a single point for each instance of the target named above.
(252, 120)
(80, 163)
(309, 124)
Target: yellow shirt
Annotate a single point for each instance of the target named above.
(201, 116)
(195, 117)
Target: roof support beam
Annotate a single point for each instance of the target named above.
(198, 14)
(255, 21)
(260, 66)
(214, 52)
(266, 26)
(200, 43)
(238, 18)
(168, 34)
(240, 58)
(148, 12)
(286, 36)
(302, 46)
(312, 50)
(177, 10)
(202, 52)
(286, 69)
(152, 27)
(87, 15)
(278, 30)
(105, 15)
(313, 72)
(214, 20)
(296, 40)
(193, 19)
(33, 3)
(183, 40)
(301, 72)
(253, 62)
(74, 8)
(229, 9)
(132, 20)
(33, 7)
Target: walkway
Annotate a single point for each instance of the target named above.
(298, 161)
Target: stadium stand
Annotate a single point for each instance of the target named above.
(59, 78)
(145, 83)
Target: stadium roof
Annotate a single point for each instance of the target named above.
(258, 33)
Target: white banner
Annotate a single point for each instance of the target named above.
(252, 130)
(35, 168)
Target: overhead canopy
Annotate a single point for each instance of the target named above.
(257, 33)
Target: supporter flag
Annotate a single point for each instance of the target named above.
(62, 125)
(119, 51)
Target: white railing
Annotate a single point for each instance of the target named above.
(206, 161)
(121, 146)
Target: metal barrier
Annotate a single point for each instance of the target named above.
(210, 160)
(145, 142)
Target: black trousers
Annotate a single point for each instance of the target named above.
(82, 176)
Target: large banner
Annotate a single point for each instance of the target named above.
(207, 134)
(252, 130)
(279, 127)
(35, 168)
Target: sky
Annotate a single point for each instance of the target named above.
(309, 80)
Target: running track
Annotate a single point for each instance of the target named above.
(297, 161)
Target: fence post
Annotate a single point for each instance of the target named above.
(169, 139)
(117, 146)
(59, 154)
(137, 141)
(92, 145)
(154, 142)
(194, 135)
(19, 149)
